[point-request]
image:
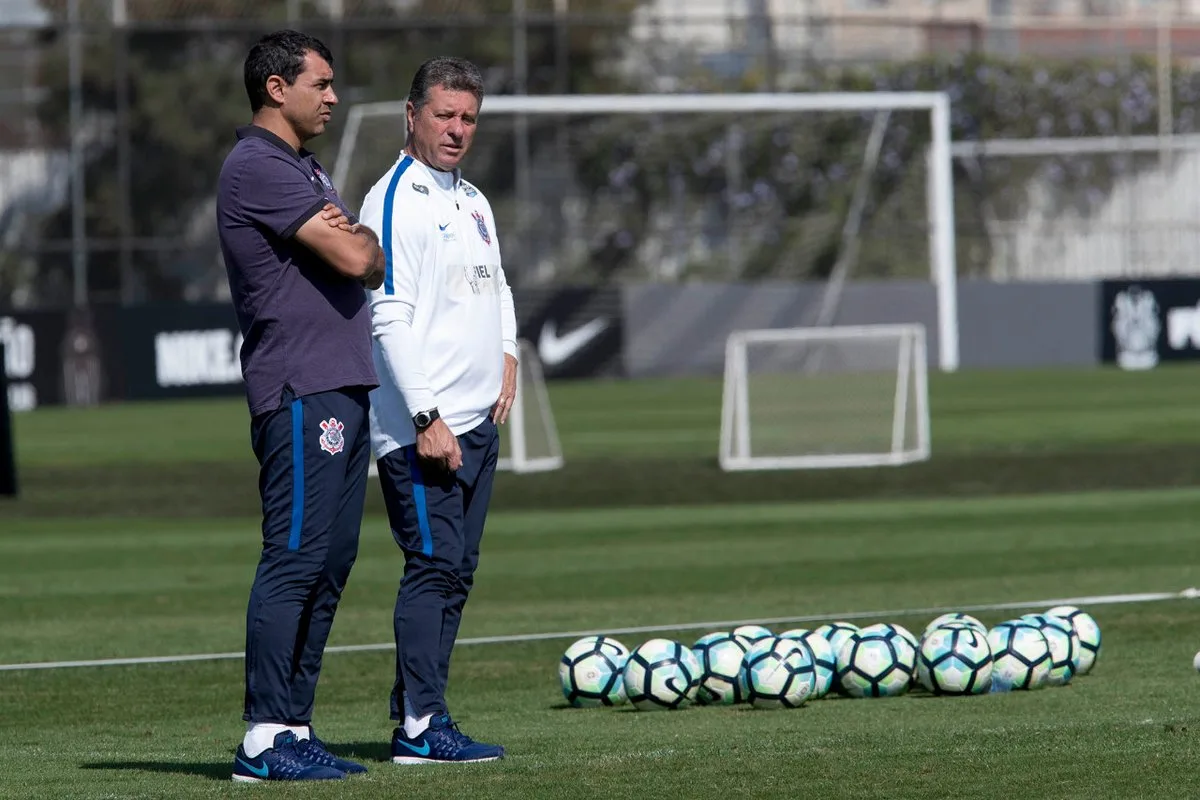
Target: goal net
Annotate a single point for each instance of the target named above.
(810, 398)
(529, 441)
(800, 187)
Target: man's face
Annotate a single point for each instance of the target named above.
(308, 103)
(443, 128)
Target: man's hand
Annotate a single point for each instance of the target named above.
(508, 391)
(337, 218)
(438, 444)
(374, 278)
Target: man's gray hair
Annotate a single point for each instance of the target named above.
(455, 74)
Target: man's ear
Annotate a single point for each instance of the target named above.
(276, 87)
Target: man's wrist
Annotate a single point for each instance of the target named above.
(423, 419)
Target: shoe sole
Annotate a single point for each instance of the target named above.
(412, 760)
(251, 779)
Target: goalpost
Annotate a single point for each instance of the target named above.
(727, 187)
(650, 170)
(529, 441)
(807, 398)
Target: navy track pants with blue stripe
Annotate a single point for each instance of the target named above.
(313, 453)
(437, 518)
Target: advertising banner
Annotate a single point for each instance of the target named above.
(1144, 323)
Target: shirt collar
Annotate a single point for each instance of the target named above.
(455, 175)
(259, 132)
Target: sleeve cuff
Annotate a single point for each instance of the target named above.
(312, 211)
(511, 349)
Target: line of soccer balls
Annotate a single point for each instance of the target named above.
(956, 655)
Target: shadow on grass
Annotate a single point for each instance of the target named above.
(211, 770)
(378, 750)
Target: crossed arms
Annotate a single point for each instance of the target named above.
(351, 248)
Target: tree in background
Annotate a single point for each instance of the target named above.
(186, 95)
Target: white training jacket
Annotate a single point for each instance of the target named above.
(444, 318)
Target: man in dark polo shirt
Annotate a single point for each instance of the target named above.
(298, 262)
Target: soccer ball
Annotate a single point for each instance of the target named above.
(823, 660)
(720, 656)
(779, 673)
(966, 619)
(1020, 656)
(888, 627)
(878, 664)
(891, 629)
(835, 633)
(1064, 646)
(1088, 632)
(955, 661)
(752, 634)
(661, 674)
(590, 672)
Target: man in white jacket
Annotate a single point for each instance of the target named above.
(445, 349)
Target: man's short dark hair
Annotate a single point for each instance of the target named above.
(280, 53)
(455, 74)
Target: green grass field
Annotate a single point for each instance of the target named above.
(136, 536)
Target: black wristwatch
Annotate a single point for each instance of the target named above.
(423, 419)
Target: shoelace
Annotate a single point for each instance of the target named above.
(461, 738)
(289, 760)
(314, 750)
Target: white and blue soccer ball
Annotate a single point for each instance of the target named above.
(955, 660)
(722, 681)
(956, 617)
(824, 661)
(875, 663)
(661, 674)
(590, 672)
(892, 629)
(752, 634)
(835, 633)
(1064, 647)
(1088, 631)
(779, 673)
(1020, 656)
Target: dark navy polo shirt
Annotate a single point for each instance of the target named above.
(305, 326)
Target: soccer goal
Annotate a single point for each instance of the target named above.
(529, 441)
(707, 187)
(812, 398)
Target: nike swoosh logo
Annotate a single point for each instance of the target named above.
(259, 771)
(442, 227)
(554, 349)
(423, 750)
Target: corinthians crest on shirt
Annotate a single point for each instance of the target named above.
(331, 440)
(481, 224)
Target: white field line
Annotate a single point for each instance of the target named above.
(1095, 600)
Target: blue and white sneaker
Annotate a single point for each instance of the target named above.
(314, 751)
(280, 763)
(441, 743)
